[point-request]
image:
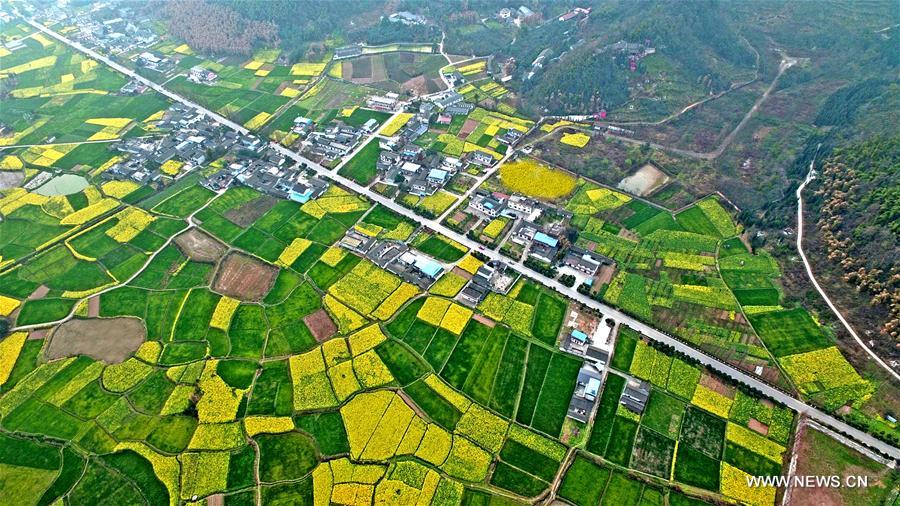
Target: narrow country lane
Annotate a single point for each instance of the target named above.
(809, 177)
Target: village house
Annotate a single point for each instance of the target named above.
(587, 390)
(460, 109)
(447, 99)
(521, 204)
(481, 158)
(544, 248)
(407, 18)
(487, 204)
(348, 51)
(635, 395)
(202, 75)
(387, 103)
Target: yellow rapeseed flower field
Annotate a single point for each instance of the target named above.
(528, 177)
(470, 264)
(292, 251)
(39, 63)
(333, 256)
(11, 162)
(578, 140)
(254, 425)
(257, 121)
(119, 189)
(171, 167)
(8, 305)
(735, 483)
(456, 318)
(90, 212)
(394, 126)
(307, 69)
(10, 347)
(110, 122)
(225, 308)
(712, 401)
(132, 222)
(433, 310)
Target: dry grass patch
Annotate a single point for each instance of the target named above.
(111, 340)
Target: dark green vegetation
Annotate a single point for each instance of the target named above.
(856, 198)
(653, 453)
(624, 351)
(548, 318)
(487, 364)
(436, 246)
(603, 425)
(438, 409)
(361, 168)
(328, 431)
(703, 431)
(285, 456)
(584, 482)
(663, 413)
(587, 483)
(789, 332)
(689, 51)
(696, 469)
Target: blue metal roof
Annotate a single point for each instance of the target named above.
(546, 239)
(592, 388)
(299, 197)
(581, 336)
(429, 267)
(437, 174)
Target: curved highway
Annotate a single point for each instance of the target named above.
(809, 272)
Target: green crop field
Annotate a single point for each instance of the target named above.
(789, 332)
(361, 168)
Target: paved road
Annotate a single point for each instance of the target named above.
(608, 311)
(809, 177)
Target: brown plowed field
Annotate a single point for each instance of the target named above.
(111, 340)
(320, 325)
(244, 277)
(200, 246)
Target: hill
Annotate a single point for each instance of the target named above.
(857, 209)
(696, 45)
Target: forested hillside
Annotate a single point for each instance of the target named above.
(217, 29)
(857, 205)
(696, 41)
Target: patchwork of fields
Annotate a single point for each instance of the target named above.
(224, 346)
(690, 274)
(60, 96)
(238, 318)
(695, 429)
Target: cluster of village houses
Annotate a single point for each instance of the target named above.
(194, 140)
